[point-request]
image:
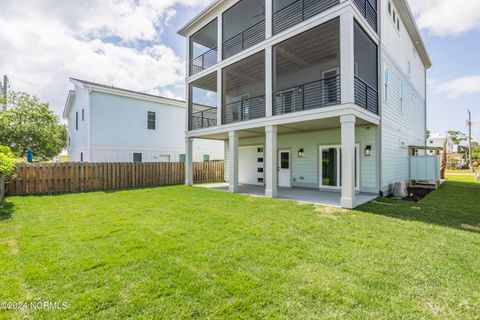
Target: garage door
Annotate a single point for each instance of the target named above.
(250, 165)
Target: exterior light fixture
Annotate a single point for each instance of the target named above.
(301, 153)
(368, 151)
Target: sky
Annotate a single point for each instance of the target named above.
(134, 44)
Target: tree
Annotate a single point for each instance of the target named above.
(476, 152)
(7, 161)
(28, 123)
(443, 159)
(457, 136)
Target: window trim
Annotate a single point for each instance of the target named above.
(136, 154)
(154, 120)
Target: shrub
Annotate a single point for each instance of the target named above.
(7, 161)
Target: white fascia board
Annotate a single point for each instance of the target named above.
(68, 104)
(408, 19)
(198, 21)
(289, 118)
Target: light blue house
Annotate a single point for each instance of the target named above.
(321, 96)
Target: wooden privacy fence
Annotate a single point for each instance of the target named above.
(51, 178)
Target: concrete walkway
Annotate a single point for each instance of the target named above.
(311, 196)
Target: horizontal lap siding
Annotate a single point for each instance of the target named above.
(401, 126)
(307, 167)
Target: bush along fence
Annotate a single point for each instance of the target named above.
(53, 178)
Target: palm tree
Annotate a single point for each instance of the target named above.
(443, 159)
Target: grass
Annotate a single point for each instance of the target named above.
(180, 252)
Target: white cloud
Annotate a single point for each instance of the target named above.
(42, 43)
(456, 88)
(447, 17)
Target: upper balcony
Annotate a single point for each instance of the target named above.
(243, 26)
(307, 70)
(306, 74)
(287, 13)
(243, 93)
(203, 48)
(202, 106)
(368, 8)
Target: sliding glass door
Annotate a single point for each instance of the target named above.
(330, 167)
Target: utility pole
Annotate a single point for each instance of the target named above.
(469, 124)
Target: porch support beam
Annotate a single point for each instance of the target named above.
(188, 161)
(219, 97)
(347, 58)
(271, 161)
(233, 158)
(268, 81)
(348, 161)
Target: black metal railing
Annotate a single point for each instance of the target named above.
(369, 11)
(317, 94)
(247, 109)
(243, 40)
(203, 61)
(204, 119)
(366, 96)
(299, 11)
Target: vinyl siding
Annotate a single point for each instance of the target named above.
(79, 138)
(400, 47)
(400, 127)
(305, 170)
(119, 128)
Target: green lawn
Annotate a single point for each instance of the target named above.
(180, 252)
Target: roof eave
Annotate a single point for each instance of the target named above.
(184, 31)
(415, 33)
(68, 104)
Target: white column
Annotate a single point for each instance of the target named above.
(219, 37)
(268, 81)
(347, 58)
(219, 72)
(348, 161)
(219, 97)
(188, 57)
(233, 158)
(188, 161)
(268, 18)
(270, 161)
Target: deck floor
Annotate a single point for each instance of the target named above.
(312, 196)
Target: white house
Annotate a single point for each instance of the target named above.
(108, 124)
(325, 95)
(437, 141)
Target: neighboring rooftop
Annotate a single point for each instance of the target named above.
(99, 85)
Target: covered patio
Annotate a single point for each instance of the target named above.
(303, 195)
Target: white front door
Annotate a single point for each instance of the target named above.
(284, 168)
